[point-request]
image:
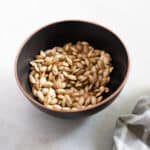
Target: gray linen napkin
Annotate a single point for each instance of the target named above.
(133, 131)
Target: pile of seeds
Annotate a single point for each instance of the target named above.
(71, 77)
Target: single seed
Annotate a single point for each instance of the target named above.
(99, 99)
(66, 108)
(42, 54)
(45, 91)
(32, 79)
(43, 69)
(55, 70)
(40, 96)
(50, 106)
(81, 100)
(53, 101)
(42, 81)
(68, 100)
(88, 100)
(93, 100)
(57, 107)
(51, 93)
(76, 105)
(74, 108)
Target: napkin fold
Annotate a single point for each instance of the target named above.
(132, 131)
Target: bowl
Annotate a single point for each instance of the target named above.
(59, 33)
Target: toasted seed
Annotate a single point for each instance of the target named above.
(83, 63)
(37, 85)
(61, 91)
(93, 100)
(76, 70)
(79, 46)
(68, 100)
(50, 76)
(102, 88)
(106, 73)
(106, 60)
(64, 68)
(87, 62)
(61, 96)
(39, 57)
(90, 53)
(98, 99)
(63, 102)
(43, 69)
(74, 108)
(42, 54)
(45, 91)
(32, 79)
(61, 76)
(50, 106)
(90, 78)
(42, 81)
(80, 65)
(81, 100)
(65, 74)
(34, 91)
(59, 84)
(57, 107)
(71, 77)
(59, 49)
(40, 96)
(97, 84)
(67, 46)
(47, 84)
(66, 108)
(48, 52)
(88, 100)
(36, 75)
(55, 70)
(86, 95)
(78, 84)
(35, 66)
(52, 101)
(38, 61)
(89, 106)
(69, 60)
(82, 78)
(84, 43)
(111, 69)
(76, 94)
(82, 106)
(99, 93)
(107, 79)
(48, 60)
(76, 105)
(106, 90)
(65, 64)
(77, 60)
(51, 93)
(49, 68)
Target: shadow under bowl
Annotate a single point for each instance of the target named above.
(59, 33)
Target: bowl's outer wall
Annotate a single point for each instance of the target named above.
(71, 31)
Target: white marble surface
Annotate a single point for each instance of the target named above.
(23, 127)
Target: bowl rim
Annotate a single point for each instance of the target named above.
(106, 100)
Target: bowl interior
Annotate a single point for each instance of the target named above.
(60, 33)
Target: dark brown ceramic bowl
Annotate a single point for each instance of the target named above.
(59, 33)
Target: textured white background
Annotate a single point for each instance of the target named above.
(23, 127)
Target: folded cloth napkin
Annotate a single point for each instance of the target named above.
(133, 131)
